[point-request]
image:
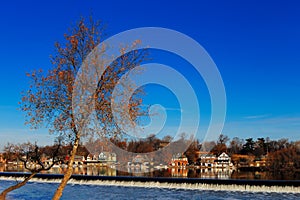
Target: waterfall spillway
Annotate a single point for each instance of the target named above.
(170, 183)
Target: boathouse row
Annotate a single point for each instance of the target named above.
(102, 158)
(212, 161)
(179, 160)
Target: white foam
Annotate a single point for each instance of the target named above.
(184, 186)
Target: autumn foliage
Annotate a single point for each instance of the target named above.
(49, 98)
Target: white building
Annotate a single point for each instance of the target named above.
(208, 160)
(223, 161)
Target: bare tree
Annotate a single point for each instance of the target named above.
(221, 145)
(223, 139)
(31, 157)
(167, 138)
(235, 146)
(49, 99)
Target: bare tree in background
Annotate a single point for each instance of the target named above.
(31, 157)
(221, 145)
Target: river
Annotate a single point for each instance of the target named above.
(43, 189)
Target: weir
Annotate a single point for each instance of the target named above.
(265, 186)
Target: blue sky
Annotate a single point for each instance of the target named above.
(255, 45)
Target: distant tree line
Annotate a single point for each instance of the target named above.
(281, 156)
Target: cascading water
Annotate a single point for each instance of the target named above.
(169, 185)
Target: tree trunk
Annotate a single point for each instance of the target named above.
(14, 187)
(68, 174)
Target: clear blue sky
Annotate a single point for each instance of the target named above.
(255, 45)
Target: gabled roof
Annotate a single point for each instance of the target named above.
(223, 155)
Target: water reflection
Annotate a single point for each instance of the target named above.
(204, 173)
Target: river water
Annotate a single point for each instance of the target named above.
(77, 190)
(170, 172)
